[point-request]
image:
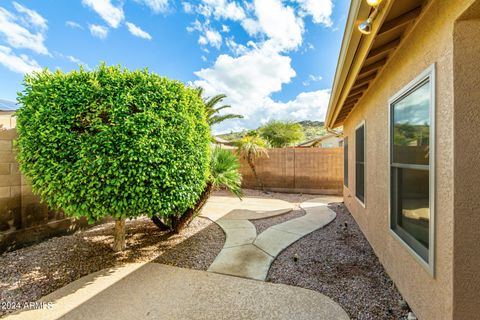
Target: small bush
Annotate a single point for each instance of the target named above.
(112, 142)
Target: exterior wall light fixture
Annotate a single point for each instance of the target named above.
(374, 3)
(366, 26)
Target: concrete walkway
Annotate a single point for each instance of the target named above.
(248, 255)
(156, 291)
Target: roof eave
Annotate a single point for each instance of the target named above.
(359, 11)
(354, 50)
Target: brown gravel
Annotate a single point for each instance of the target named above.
(32, 272)
(338, 261)
(263, 224)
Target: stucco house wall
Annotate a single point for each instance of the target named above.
(430, 42)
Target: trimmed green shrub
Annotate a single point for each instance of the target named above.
(113, 142)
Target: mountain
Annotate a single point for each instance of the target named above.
(312, 129)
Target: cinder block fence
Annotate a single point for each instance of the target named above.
(23, 219)
(303, 170)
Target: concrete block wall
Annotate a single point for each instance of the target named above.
(23, 218)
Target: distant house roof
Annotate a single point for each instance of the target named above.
(6, 105)
(222, 141)
(318, 140)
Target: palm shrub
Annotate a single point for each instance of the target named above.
(250, 148)
(213, 112)
(113, 142)
(225, 171)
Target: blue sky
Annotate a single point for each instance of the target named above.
(273, 58)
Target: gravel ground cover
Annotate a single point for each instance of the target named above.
(263, 224)
(338, 261)
(28, 274)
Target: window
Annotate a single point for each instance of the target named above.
(411, 151)
(360, 163)
(345, 162)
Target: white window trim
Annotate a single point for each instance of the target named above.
(429, 73)
(364, 202)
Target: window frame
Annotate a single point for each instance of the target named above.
(430, 74)
(364, 202)
(345, 162)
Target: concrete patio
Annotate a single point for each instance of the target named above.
(156, 291)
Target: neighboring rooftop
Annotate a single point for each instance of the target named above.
(316, 141)
(6, 105)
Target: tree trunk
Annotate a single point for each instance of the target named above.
(259, 181)
(184, 220)
(119, 234)
(160, 224)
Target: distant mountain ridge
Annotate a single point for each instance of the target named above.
(312, 130)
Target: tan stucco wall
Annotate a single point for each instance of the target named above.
(466, 278)
(430, 42)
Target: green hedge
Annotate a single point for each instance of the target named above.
(113, 142)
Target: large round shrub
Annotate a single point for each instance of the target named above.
(112, 142)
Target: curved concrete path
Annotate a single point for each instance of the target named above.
(248, 255)
(156, 291)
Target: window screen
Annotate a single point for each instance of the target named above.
(360, 163)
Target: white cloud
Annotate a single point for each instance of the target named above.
(252, 26)
(204, 59)
(138, 32)
(79, 62)
(218, 9)
(225, 28)
(187, 7)
(32, 17)
(235, 48)
(247, 80)
(195, 26)
(223, 9)
(18, 36)
(310, 105)
(306, 105)
(19, 64)
(320, 10)
(208, 36)
(157, 6)
(107, 11)
(312, 78)
(212, 37)
(73, 24)
(255, 71)
(280, 24)
(98, 31)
